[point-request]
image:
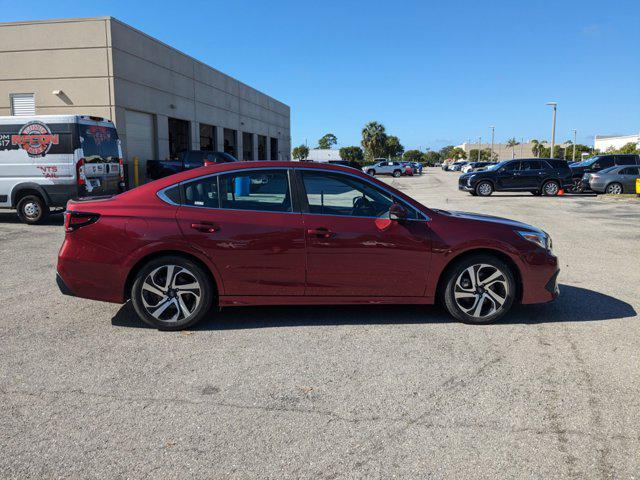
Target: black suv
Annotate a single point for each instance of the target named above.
(540, 176)
(580, 171)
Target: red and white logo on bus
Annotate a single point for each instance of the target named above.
(35, 138)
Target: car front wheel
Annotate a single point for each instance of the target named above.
(172, 293)
(397, 173)
(479, 289)
(484, 189)
(371, 172)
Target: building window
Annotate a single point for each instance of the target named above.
(274, 148)
(262, 147)
(178, 136)
(230, 142)
(23, 103)
(247, 146)
(208, 138)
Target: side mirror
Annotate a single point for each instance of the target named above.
(397, 212)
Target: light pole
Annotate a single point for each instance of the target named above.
(493, 131)
(574, 144)
(553, 129)
(479, 147)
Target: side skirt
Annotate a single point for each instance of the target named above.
(238, 301)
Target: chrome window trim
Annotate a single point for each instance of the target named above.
(164, 198)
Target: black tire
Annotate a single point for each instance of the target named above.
(397, 173)
(550, 188)
(32, 209)
(484, 189)
(614, 188)
(577, 186)
(504, 287)
(473, 194)
(172, 296)
(371, 172)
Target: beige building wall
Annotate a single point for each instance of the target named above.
(105, 67)
(504, 153)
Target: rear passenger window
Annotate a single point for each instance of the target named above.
(173, 194)
(629, 171)
(202, 192)
(264, 190)
(625, 160)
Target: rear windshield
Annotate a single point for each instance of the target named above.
(98, 142)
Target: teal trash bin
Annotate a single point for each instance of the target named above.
(242, 186)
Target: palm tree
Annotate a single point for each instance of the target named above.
(511, 143)
(374, 140)
(537, 147)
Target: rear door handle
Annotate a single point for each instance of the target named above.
(205, 227)
(320, 232)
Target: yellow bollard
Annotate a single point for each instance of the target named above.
(638, 187)
(136, 179)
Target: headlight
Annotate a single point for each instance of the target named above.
(541, 239)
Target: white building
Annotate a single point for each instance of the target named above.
(614, 142)
(323, 155)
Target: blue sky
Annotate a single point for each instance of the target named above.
(432, 72)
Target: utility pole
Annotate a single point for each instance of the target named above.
(574, 144)
(553, 128)
(479, 147)
(493, 131)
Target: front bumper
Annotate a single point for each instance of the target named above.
(465, 187)
(540, 277)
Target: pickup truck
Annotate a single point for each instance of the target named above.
(186, 160)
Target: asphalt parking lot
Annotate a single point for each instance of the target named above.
(553, 391)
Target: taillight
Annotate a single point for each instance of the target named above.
(208, 163)
(74, 220)
(82, 179)
(121, 169)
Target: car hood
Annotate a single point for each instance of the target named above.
(491, 219)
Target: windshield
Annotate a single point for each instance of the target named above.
(98, 142)
(586, 163)
(496, 166)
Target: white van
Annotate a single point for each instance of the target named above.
(46, 160)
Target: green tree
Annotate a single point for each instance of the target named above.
(431, 157)
(485, 155)
(413, 156)
(393, 147)
(457, 154)
(630, 147)
(327, 141)
(374, 140)
(512, 143)
(352, 154)
(301, 152)
(445, 152)
(536, 147)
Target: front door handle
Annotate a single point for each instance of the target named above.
(320, 232)
(205, 227)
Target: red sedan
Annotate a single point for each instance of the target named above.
(267, 233)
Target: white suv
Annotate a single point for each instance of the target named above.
(384, 167)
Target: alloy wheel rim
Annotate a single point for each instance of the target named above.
(615, 189)
(481, 290)
(485, 189)
(551, 188)
(171, 293)
(31, 210)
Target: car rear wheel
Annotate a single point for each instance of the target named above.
(479, 289)
(484, 189)
(551, 188)
(32, 209)
(397, 173)
(172, 293)
(614, 189)
(371, 172)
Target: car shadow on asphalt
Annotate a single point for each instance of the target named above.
(575, 304)
(56, 218)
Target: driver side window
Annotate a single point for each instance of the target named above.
(336, 194)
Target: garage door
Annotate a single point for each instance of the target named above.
(140, 139)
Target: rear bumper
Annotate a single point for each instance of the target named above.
(64, 289)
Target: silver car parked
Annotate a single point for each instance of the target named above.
(384, 168)
(615, 180)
